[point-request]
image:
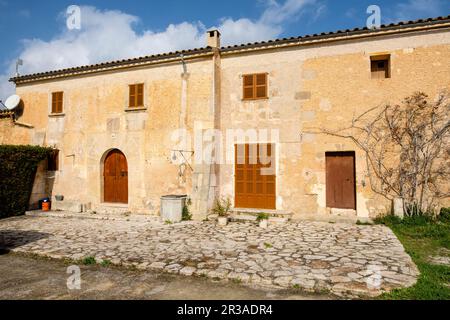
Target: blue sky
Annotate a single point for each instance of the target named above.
(36, 30)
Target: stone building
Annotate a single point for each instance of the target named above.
(128, 132)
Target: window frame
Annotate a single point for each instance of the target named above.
(57, 105)
(375, 59)
(254, 86)
(135, 94)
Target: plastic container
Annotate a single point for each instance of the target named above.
(41, 201)
(46, 206)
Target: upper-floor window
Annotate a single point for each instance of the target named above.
(255, 86)
(380, 67)
(136, 96)
(57, 102)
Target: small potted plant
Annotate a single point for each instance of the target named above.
(263, 219)
(222, 209)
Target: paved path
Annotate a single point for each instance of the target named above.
(341, 258)
(31, 278)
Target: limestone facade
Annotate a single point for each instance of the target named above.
(321, 83)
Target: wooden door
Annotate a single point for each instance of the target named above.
(115, 178)
(255, 176)
(340, 180)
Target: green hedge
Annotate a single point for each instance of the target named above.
(18, 166)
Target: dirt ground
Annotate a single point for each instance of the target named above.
(25, 277)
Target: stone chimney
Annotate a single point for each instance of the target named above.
(213, 38)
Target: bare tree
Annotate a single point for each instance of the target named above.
(407, 149)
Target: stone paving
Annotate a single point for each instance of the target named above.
(344, 259)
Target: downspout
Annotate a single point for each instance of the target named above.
(184, 84)
(217, 122)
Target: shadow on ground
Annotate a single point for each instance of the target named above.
(11, 239)
(34, 278)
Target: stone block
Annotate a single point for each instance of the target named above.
(303, 95)
(67, 205)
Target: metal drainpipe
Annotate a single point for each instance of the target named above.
(184, 79)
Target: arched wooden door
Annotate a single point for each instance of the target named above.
(115, 174)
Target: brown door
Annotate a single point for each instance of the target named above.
(116, 178)
(255, 179)
(341, 190)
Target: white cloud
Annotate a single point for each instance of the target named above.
(415, 9)
(277, 13)
(110, 34)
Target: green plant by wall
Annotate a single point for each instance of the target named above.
(186, 215)
(18, 165)
(262, 216)
(89, 261)
(221, 207)
(444, 215)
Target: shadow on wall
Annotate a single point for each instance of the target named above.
(11, 239)
(42, 185)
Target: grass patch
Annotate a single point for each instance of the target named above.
(89, 261)
(268, 245)
(422, 237)
(363, 223)
(105, 263)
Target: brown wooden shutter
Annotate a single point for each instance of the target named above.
(255, 86)
(380, 67)
(261, 85)
(248, 87)
(60, 103)
(57, 102)
(54, 102)
(132, 97)
(136, 97)
(140, 95)
(255, 178)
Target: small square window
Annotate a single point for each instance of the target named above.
(380, 67)
(255, 86)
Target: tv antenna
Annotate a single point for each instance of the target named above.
(19, 62)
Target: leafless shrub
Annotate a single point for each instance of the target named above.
(407, 149)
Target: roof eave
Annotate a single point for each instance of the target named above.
(115, 65)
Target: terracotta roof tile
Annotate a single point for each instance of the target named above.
(299, 40)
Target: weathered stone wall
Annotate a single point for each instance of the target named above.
(310, 86)
(12, 132)
(95, 120)
(324, 87)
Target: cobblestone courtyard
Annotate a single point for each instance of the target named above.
(344, 259)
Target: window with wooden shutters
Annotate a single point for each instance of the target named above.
(380, 67)
(57, 102)
(136, 97)
(255, 86)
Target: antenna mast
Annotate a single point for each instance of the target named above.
(19, 62)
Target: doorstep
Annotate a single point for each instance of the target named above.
(251, 215)
(94, 215)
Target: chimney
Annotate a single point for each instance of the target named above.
(213, 38)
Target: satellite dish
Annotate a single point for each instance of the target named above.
(12, 102)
